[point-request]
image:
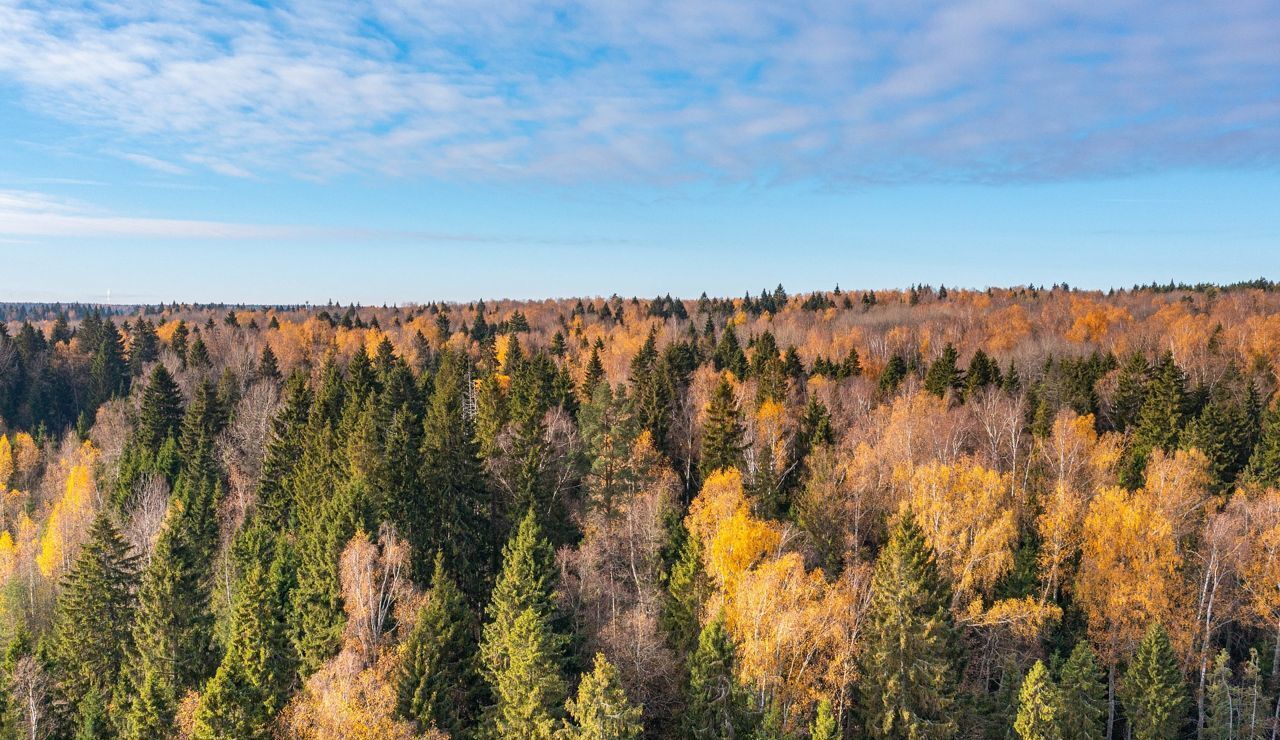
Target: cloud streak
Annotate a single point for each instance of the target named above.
(660, 90)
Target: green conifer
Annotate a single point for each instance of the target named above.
(602, 710)
(1038, 706)
(1082, 691)
(722, 437)
(1153, 690)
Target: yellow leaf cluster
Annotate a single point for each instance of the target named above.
(968, 519)
(1128, 572)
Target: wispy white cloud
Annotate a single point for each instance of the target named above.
(660, 89)
(29, 216)
(154, 163)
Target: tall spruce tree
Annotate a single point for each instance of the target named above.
(161, 412)
(455, 509)
(602, 710)
(1160, 420)
(728, 355)
(1221, 720)
(1153, 691)
(722, 436)
(253, 680)
(909, 659)
(824, 726)
(288, 434)
(944, 374)
(715, 703)
(92, 626)
(438, 685)
(1038, 706)
(1264, 463)
(1082, 690)
(520, 652)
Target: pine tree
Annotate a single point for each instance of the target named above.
(252, 682)
(161, 412)
(714, 703)
(1153, 691)
(438, 680)
(824, 725)
(722, 436)
(602, 710)
(1038, 706)
(91, 630)
(455, 508)
(909, 659)
(1082, 690)
(1221, 721)
(944, 375)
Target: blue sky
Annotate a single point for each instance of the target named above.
(403, 151)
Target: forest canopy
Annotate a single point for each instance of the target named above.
(1022, 512)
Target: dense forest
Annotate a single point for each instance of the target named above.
(1035, 513)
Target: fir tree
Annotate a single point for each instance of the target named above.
(909, 658)
(268, 367)
(1153, 691)
(728, 355)
(1038, 706)
(161, 411)
(91, 631)
(252, 682)
(651, 390)
(824, 725)
(1082, 690)
(198, 355)
(455, 510)
(1131, 392)
(1160, 421)
(722, 437)
(526, 582)
(602, 710)
(144, 346)
(944, 375)
(714, 707)
(895, 371)
(437, 685)
(275, 501)
(1221, 720)
(687, 590)
(1264, 463)
(528, 688)
(592, 376)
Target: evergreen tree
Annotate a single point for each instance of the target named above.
(651, 390)
(288, 433)
(326, 510)
(715, 701)
(1221, 721)
(144, 346)
(767, 368)
(1153, 691)
(268, 367)
(526, 581)
(198, 355)
(592, 376)
(173, 633)
(108, 373)
(824, 725)
(1082, 690)
(909, 658)
(1160, 421)
(722, 437)
(91, 630)
(1038, 706)
(895, 371)
(252, 683)
(728, 355)
(687, 590)
(161, 411)
(528, 688)
(944, 375)
(437, 686)
(1131, 392)
(602, 710)
(178, 342)
(1264, 463)
(453, 516)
